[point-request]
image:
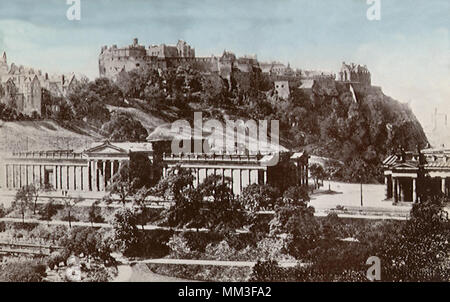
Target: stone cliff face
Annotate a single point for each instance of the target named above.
(360, 121)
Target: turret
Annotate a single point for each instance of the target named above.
(4, 60)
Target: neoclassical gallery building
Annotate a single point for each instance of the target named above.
(92, 170)
(400, 173)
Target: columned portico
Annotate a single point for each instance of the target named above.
(93, 170)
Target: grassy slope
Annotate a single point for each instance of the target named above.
(44, 135)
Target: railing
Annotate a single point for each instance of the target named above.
(62, 154)
(214, 157)
(24, 248)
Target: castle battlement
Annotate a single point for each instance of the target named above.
(355, 73)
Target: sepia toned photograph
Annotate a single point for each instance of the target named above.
(194, 141)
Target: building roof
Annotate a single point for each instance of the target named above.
(123, 147)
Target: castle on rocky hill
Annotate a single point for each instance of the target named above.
(21, 87)
(355, 73)
(113, 60)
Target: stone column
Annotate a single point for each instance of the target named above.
(240, 181)
(265, 176)
(79, 178)
(104, 175)
(443, 188)
(386, 187)
(197, 177)
(112, 171)
(69, 178)
(85, 177)
(414, 189)
(253, 176)
(42, 175)
(55, 177)
(94, 176)
(5, 175)
(395, 189)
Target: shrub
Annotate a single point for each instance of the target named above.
(267, 271)
(24, 271)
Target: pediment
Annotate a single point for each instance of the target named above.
(106, 148)
(404, 166)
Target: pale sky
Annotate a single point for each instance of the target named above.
(407, 51)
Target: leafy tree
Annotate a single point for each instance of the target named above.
(257, 197)
(360, 173)
(296, 195)
(421, 251)
(48, 210)
(22, 271)
(23, 201)
(188, 211)
(300, 226)
(267, 271)
(172, 186)
(318, 173)
(69, 204)
(122, 185)
(89, 242)
(123, 127)
(95, 213)
(223, 212)
(133, 175)
(126, 232)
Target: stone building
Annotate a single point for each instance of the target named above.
(355, 73)
(91, 170)
(21, 87)
(401, 173)
(114, 61)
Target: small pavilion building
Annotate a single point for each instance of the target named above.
(401, 172)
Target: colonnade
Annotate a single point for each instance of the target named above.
(92, 175)
(241, 177)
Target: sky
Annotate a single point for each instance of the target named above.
(407, 50)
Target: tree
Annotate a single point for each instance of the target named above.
(69, 203)
(300, 226)
(89, 242)
(172, 186)
(318, 173)
(188, 211)
(256, 197)
(123, 127)
(94, 214)
(221, 211)
(22, 271)
(122, 184)
(126, 233)
(267, 271)
(296, 195)
(360, 173)
(34, 192)
(140, 199)
(421, 250)
(22, 201)
(133, 175)
(48, 210)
